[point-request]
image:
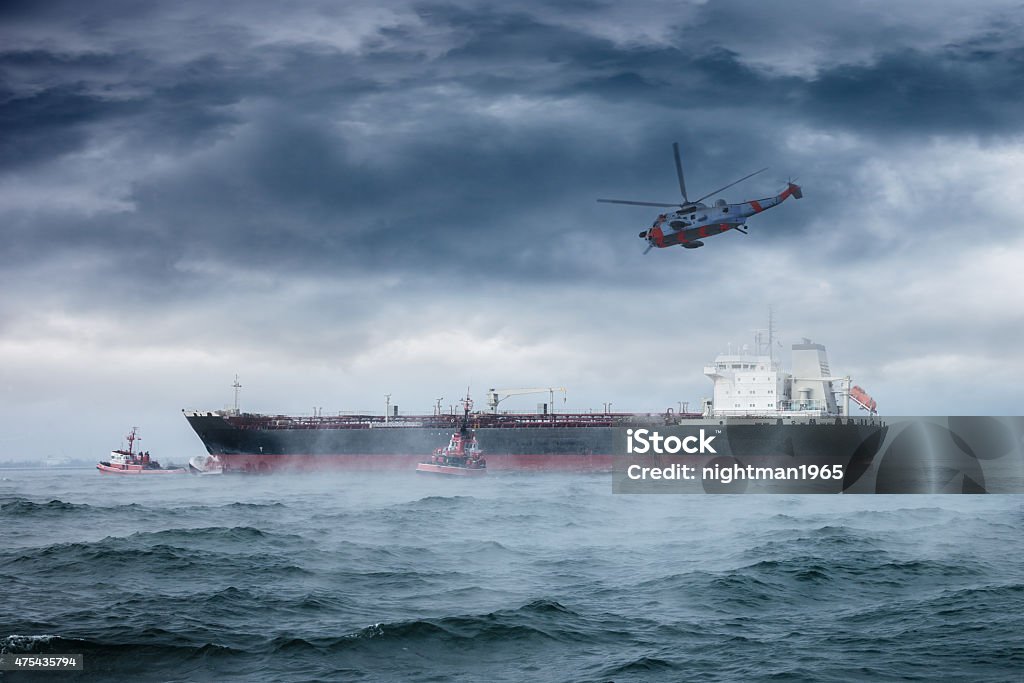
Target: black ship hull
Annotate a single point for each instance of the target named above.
(565, 442)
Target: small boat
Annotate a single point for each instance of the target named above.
(462, 456)
(131, 462)
(205, 465)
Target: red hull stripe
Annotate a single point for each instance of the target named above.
(450, 471)
(258, 462)
(117, 470)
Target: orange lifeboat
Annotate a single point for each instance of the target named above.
(862, 399)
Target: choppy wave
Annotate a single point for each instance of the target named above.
(526, 578)
(21, 508)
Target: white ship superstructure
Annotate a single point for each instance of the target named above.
(755, 385)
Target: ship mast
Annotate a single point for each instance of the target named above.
(237, 386)
(759, 340)
(467, 405)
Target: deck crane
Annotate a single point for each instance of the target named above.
(496, 396)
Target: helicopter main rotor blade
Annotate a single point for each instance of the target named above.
(679, 172)
(626, 201)
(731, 184)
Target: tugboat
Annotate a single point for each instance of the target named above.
(131, 462)
(462, 456)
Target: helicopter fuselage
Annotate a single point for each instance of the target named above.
(690, 224)
(694, 220)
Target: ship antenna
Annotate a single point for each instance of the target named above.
(237, 386)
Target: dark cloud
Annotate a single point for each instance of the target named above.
(47, 125)
(291, 153)
(953, 91)
(252, 162)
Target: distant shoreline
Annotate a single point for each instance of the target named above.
(29, 466)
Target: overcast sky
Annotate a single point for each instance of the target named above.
(342, 200)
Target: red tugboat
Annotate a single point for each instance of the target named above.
(462, 456)
(130, 462)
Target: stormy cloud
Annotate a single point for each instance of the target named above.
(342, 201)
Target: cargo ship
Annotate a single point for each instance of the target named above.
(757, 409)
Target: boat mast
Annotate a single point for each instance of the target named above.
(467, 405)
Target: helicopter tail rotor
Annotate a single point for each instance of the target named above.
(791, 189)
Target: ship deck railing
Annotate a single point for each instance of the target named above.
(475, 421)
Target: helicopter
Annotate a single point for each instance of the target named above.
(694, 221)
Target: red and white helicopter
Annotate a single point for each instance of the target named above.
(694, 221)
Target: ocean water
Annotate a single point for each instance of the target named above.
(376, 577)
